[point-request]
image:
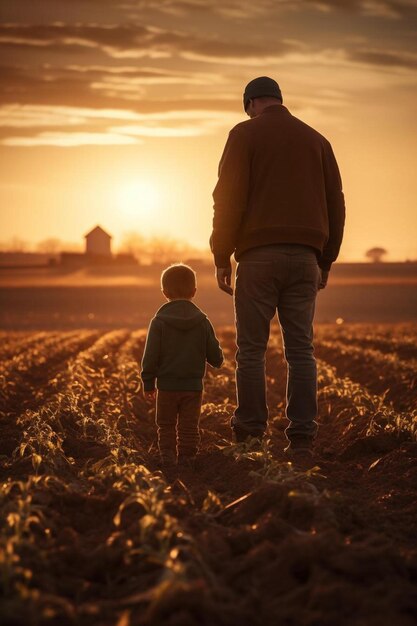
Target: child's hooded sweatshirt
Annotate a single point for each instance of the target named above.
(180, 340)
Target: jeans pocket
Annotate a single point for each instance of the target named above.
(253, 279)
(312, 274)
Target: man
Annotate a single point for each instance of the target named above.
(279, 207)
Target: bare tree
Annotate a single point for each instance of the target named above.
(376, 254)
(164, 250)
(155, 249)
(15, 244)
(136, 245)
(49, 246)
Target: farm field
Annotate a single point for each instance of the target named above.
(101, 298)
(93, 533)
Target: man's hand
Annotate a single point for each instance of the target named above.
(150, 395)
(323, 279)
(224, 279)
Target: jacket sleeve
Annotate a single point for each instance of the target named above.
(335, 209)
(230, 196)
(214, 353)
(151, 355)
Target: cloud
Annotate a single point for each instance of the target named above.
(250, 10)
(146, 75)
(251, 61)
(20, 116)
(83, 94)
(132, 85)
(240, 9)
(94, 85)
(388, 9)
(385, 58)
(108, 36)
(135, 41)
(191, 123)
(65, 140)
(114, 40)
(132, 41)
(160, 131)
(174, 123)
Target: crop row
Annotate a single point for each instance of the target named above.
(29, 377)
(43, 429)
(96, 537)
(364, 413)
(380, 373)
(34, 355)
(341, 398)
(398, 340)
(143, 545)
(12, 344)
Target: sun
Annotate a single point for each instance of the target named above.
(138, 199)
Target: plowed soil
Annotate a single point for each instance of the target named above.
(94, 532)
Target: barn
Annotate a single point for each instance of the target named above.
(98, 242)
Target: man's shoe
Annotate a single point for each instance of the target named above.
(300, 452)
(245, 436)
(168, 466)
(187, 463)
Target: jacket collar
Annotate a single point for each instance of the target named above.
(275, 108)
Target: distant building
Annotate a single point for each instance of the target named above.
(73, 259)
(98, 242)
(125, 258)
(27, 259)
(97, 252)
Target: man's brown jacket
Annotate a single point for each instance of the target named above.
(278, 183)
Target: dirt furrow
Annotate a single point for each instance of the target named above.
(246, 538)
(37, 415)
(12, 345)
(28, 381)
(396, 340)
(381, 374)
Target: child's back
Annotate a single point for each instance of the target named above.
(180, 341)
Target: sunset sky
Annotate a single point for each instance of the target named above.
(115, 112)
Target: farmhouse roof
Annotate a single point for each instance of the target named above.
(98, 229)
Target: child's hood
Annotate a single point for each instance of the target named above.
(181, 314)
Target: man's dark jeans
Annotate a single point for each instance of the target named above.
(283, 278)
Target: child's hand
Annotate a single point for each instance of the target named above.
(150, 395)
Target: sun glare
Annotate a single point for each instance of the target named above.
(138, 199)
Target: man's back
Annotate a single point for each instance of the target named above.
(279, 207)
(278, 183)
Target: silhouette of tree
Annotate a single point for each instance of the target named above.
(155, 249)
(15, 244)
(136, 245)
(376, 254)
(49, 246)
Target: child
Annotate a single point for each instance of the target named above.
(180, 340)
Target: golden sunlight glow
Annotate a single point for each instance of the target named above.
(138, 200)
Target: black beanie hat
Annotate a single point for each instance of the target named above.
(262, 86)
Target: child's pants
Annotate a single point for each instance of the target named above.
(177, 418)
